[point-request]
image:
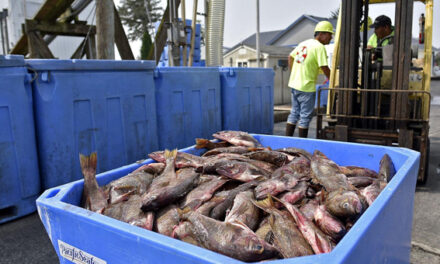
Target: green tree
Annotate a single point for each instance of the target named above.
(334, 14)
(146, 45)
(133, 15)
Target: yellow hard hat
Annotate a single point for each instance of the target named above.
(324, 26)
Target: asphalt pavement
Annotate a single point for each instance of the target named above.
(25, 240)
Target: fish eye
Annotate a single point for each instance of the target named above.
(258, 247)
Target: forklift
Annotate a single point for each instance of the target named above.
(381, 95)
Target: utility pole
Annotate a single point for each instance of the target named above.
(105, 29)
(258, 34)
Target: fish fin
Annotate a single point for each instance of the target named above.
(322, 196)
(318, 244)
(170, 154)
(266, 204)
(260, 178)
(88, 163)
(183, 212)
(239, 223)
(202, 143)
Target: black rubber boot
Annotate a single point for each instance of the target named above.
(303, 132)
(290, 129)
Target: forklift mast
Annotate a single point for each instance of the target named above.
(378, 96)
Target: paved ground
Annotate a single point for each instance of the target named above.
(25, 240)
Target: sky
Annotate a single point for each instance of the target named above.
(240, 16)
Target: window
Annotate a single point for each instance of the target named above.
(243, 64)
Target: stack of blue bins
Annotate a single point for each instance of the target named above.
(188, 101)
(82, 106)
(19, 177)
(247, 99)
(164, 62)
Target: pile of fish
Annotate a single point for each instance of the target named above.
(241, 199)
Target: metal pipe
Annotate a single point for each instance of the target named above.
(214, 35)
(1, 32)
(185, 51)
(364, 40)
(258, 34)
(5, 13)
(193, 34)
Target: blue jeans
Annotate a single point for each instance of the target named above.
(303, 104)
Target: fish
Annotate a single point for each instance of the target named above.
(166, 220)
(284, 178)
(264, 231)
(308, 209)
(328, 223)
(210, 164)
(133, 183)
(95, 198)
(244, 211)
(360, 181)
(234, 149)
(182, 160)
(371, 192)
(286, 236)
(296, 194)
(296, 152)
(238, 170)
(183, 232)
(203, 192)
(231, 239)
(319, 242)
(237, 138)
(152, 168)
(386, 169)
(206, 208)
(355, 171)
(219, 211)
(170, 185)
(130, 212)
(208, 144)
(328, 174)
(277, 158)
(343, 204)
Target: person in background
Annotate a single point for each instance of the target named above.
(304, 63)
(383, 32)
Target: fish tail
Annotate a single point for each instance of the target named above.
(266, 204)
(88, 168)
(170, 154)
(202, 143)
(183, 212)
(88, 163)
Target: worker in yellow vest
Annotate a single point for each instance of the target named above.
(305, 61)
(383, 32)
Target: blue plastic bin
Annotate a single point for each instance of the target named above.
(19, 177)
(381, 235)
(247, 99)
(324, 95)
(188, 105)
(83, 106)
